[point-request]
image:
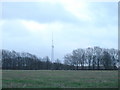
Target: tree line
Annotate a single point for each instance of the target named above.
(79, 59)
(93, 58)
(25, 61)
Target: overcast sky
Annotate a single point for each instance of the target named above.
(28, 26)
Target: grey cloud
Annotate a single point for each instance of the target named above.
(105, 13)
(42, 12)
(14, 29)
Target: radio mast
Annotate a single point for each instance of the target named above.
(52, 52)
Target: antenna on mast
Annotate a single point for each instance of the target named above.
(52, 52)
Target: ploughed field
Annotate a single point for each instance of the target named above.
(59, 79)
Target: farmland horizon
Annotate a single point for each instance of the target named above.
(59, 44)
(39, 56)
(95, 58)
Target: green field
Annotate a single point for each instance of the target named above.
(59, 79)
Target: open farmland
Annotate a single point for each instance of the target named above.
(59, 79)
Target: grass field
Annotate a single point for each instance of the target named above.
(59, 79)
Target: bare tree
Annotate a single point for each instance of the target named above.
(106, 60)
(89, 55)
(98, 53)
